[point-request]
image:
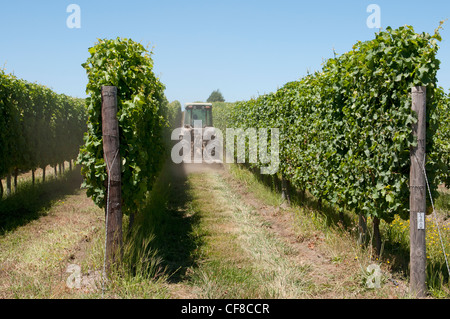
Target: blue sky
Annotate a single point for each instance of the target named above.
(244, 48)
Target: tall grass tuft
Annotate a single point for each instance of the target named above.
(140, 259)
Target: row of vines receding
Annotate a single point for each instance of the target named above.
(345, 131)
(38, 127)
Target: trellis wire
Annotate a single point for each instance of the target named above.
(434, 213)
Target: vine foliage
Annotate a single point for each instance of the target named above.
(142, 108)
(38, 127)
(345, 131)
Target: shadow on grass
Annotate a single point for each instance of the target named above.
(166, 224)
(31, 202)
(304, 199)
(398, 253)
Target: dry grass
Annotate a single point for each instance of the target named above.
(338, 266)
(40, 257)
(227, 236)
(240, 257)
(34, 258)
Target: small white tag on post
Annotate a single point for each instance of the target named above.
(420, 220)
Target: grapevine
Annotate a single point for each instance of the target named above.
(346, 130)
(142, 108)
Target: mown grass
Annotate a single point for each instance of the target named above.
(42, 227)
(312, 220)
(204, 241)
(167, 222)
(30, 202)
(49, 227)
(240, 257)
(52, 226)
(196, 238)
(156, 249)
(313, 216)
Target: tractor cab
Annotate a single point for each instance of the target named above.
(198, 138)
(197, 112)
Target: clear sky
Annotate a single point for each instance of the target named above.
(244, 48)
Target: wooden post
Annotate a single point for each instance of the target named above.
(417, 200)
(110, 130)
(16, 173)
(276, 183)
(8, 184)
(362, 229)
(285, 190)
(377, 236)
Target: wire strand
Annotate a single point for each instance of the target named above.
(434, 212)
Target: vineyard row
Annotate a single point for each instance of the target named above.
(38, 127)
(346, 131)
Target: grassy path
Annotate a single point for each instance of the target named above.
(206, 233)
(240, 257)
(250, 245)
(34, 256)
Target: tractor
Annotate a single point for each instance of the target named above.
(197, 129)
